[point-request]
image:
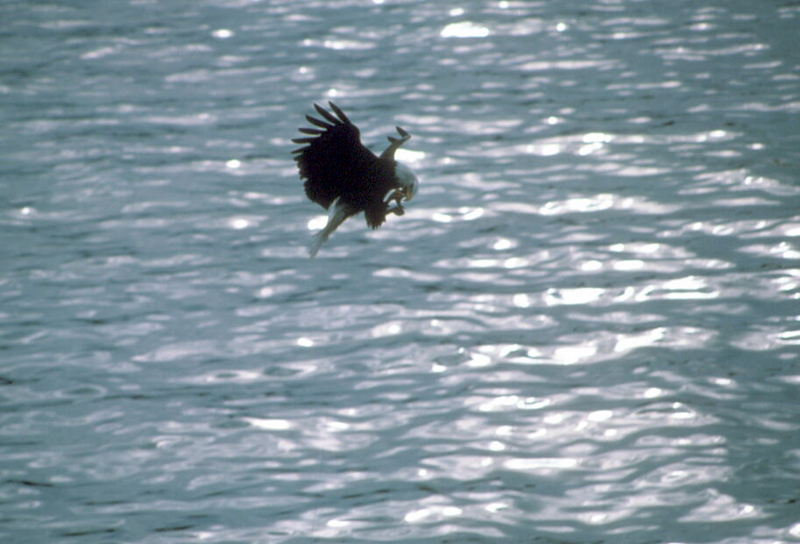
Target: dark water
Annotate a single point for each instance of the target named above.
(585, 329)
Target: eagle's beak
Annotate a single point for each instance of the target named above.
(392, 194)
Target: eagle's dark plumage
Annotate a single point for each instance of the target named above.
(343, 176)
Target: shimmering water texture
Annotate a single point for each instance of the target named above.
(585, 329)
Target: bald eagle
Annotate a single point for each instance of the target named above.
(346, 178)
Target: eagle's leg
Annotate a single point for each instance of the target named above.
(395, 196)
(398, 209)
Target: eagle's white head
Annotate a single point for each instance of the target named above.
(407, 180)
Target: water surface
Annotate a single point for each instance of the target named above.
(584, 329)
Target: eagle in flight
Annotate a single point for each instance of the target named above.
(346, 178)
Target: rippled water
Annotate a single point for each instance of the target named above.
(585, 329)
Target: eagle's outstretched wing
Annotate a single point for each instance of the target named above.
(333, 161)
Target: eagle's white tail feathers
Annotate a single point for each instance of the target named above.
(338, 213)
(316, 243)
